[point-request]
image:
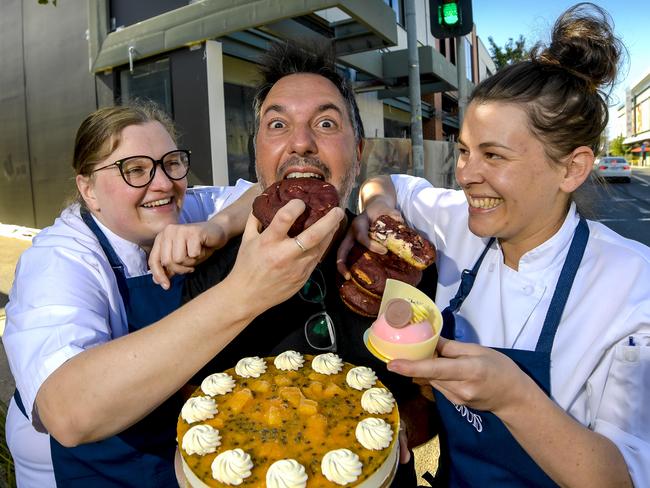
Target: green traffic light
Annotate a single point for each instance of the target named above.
(448, 14)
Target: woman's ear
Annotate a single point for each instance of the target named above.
(578, 168)
(87, 191)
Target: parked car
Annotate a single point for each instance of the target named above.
(614, 168)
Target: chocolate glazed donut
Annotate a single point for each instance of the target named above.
(318, 195)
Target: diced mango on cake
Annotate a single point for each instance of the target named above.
(260, 386)
(314, 390)
(274, 417)
(282, 380)
(239, 399)
(307, 407)
(331, 390)
(292, 394)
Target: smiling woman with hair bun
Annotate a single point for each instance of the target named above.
(542, 376)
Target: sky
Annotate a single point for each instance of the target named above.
(503, 19)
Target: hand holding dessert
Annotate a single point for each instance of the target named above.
(271, 266)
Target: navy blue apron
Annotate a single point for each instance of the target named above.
(143, 454)
(480, 449)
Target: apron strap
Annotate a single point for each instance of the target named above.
(563, 287)
(111, 255)
(467, 278)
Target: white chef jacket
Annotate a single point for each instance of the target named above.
(597, 376)
(64, 300)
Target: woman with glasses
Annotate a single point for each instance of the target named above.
(543, 374)
(97, 349)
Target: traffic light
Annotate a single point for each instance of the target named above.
(450, 18)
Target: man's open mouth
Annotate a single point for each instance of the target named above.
(300, 174)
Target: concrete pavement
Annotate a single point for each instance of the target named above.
(13, 241)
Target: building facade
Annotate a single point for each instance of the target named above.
(636, 115)
(197, 59)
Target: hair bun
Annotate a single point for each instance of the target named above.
(584, 44)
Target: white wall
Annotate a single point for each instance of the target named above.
(371, 110)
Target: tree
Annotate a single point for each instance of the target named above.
(616, 146)
(512, 52)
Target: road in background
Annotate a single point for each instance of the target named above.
(623, 207)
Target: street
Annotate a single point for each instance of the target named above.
(623, 207)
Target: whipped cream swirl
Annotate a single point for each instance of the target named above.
(251, 367)
(286, 473)
(377, 400)
(201, 439)
(341, 466)
(328, 363)
(199, 408)
(218, 384)
(289, 361)
(374, 434)
(361, 378)
(232, 467)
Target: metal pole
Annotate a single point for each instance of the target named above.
(414, 89)
(462, 78)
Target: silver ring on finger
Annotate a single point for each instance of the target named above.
(300, 244)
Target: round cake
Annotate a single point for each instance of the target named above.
(290, 420)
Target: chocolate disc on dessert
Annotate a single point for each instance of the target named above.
(403, 241)
(398, 313)
(318, 195)
(371, 270)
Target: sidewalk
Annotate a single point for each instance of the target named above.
(13, 241)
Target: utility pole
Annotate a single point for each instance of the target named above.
(414, 89)
(462, 78)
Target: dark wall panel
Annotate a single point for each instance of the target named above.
(15, 186)
(190, 100)
(60, 92)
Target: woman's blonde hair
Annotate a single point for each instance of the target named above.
(101, 132)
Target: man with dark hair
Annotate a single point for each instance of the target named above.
(307, 126)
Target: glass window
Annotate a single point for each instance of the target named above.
(149, 81)
(240, 128)
(398, 8)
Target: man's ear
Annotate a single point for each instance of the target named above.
(87, 191)
(359, 153)
(578, 168)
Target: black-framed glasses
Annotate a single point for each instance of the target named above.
(319, 328)
(139, 171)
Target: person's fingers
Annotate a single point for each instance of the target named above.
(319, 234)
(432, 369)
(404, 453)
(342, 254)
(454, 349)
(158, 272)
(284, 219)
